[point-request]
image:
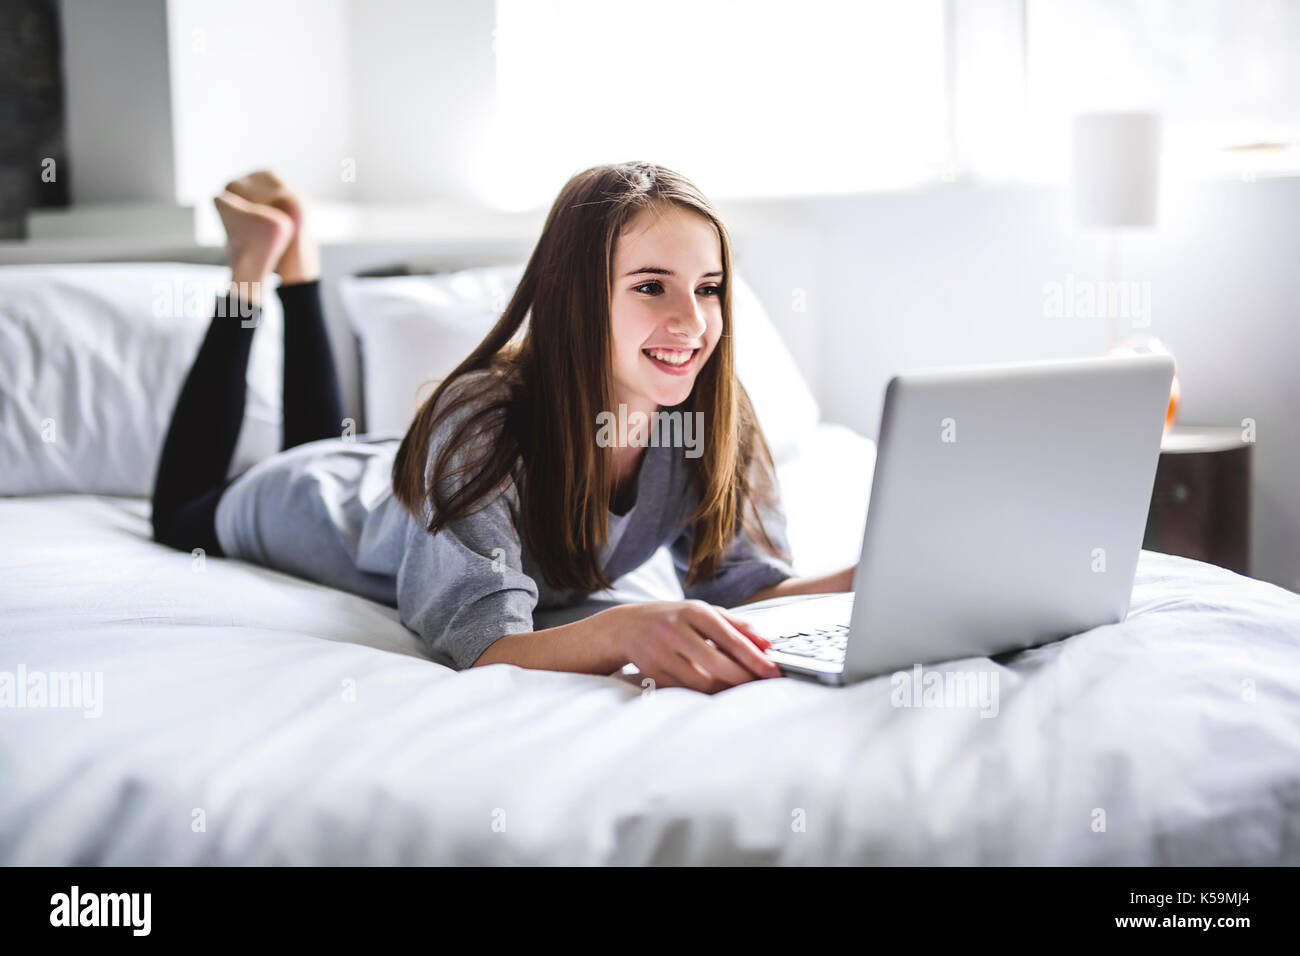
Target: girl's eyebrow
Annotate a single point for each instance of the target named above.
(655, 270)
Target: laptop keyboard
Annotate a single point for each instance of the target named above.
(819, 643)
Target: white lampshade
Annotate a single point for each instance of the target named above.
(1115, 174)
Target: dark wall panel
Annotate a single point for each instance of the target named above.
(31, 112)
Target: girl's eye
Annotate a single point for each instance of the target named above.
(657, 288)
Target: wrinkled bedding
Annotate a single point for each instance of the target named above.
(248, 717)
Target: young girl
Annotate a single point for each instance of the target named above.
(503, 497)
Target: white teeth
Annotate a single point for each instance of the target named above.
(671, 358)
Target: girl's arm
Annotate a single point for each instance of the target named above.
(826, 583)
(674, 643)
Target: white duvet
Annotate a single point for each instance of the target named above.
(249, 717)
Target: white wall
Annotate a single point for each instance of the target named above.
(170, 99)
(117, 101)
(957, 275)
(424, 95)
(257, 84)
(167, 100)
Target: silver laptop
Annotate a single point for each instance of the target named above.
(1007, 510)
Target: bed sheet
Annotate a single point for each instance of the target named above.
(245, 716)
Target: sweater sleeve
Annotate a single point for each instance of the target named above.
(464, 588)
(745, 567)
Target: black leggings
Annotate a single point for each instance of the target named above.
(210, 411)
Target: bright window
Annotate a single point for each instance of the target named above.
(761, 98)
(800, 97)
(1223, 73)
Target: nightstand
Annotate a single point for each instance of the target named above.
(1200, 504)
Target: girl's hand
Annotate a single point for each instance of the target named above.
(835, 581)
(689, 644)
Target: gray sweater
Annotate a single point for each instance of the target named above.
(325, 511)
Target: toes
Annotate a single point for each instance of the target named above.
(240, 188)
(259, 186)
(230, 201)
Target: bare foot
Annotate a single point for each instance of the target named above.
(256, 238)
(301, 260)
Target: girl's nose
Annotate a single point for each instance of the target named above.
(687, 319)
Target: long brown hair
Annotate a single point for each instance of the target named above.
(547, 382)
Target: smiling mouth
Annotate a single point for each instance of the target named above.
(675, 361)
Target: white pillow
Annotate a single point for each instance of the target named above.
(415, 329)
(783, 402)
(92, 357)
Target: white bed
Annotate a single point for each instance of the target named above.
(227, 736)
(250, 717)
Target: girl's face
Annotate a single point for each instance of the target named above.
(665, 305)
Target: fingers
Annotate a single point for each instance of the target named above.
(744, 627)
(676, 671)
(662, 663)
(724, 632)
(705, 655)
(705, 649)
(683, 659)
